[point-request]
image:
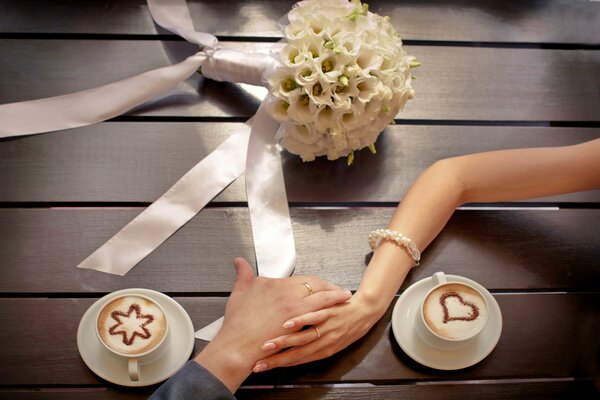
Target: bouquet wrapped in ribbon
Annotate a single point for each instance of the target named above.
(340, 77)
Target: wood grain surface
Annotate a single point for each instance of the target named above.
(557, 338)
(137, 162)
(500, 84)
(548, 390)
(494, 75)
(537, 21)
(502, 249)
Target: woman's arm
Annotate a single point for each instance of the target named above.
(484, 177)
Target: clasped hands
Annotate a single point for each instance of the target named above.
(271, 323)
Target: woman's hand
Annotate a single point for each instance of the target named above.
(256, 311)
(331, 330)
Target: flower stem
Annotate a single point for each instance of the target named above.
(350, 159)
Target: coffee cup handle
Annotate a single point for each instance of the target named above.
(439, 278)
(134, 369)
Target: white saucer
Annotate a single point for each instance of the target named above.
(108, 366)
(403, 321)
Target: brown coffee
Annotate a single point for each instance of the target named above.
(455, 311)
(131, 325)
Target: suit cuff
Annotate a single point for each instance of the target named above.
(193, 382)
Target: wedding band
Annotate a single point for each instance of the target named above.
(318, 333)
(310, 291)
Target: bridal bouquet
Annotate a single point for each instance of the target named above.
(341, 79)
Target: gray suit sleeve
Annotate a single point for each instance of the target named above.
(192, 382)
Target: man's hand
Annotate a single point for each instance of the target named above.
(255, 312)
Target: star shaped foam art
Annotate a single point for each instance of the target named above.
(131, 326)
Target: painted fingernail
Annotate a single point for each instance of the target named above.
(260, 367)
(289, 324)
(268, 346)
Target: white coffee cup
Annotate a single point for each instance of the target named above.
(134, 327)
(452, 314)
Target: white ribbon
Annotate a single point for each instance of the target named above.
(268, 206)
(254, 151)
(93, 105)
(267, 200)
(173, 209)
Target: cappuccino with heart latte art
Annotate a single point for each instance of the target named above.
(455, 311)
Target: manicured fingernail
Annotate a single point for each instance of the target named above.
(349, 293)
(268, 346)
(289, 324)
(259, 367)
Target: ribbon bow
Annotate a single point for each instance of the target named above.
(252, 149)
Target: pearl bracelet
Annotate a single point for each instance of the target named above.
(378, 235)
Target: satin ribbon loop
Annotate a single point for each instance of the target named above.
(174, 16)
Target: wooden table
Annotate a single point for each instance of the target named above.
(495, 75)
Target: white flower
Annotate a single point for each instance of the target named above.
(283, 84)
(343, 78)
(330, 8)
(325, 119)
(278, 108)
(367, 88)
(300, 110)
(347, 43)
(353, 118)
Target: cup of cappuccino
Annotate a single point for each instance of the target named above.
(452, 314)
(134, 327)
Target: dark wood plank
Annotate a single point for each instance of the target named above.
(549, 390)
(437, 391)
(58, 353)
(491, 83)
(519, 249)
(139, 161)
(83, 64)
(544, 336)
(536, 342)
(491, 20)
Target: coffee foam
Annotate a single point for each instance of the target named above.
(131, 325)
(464, 315)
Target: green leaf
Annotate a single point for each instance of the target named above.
(372, 148)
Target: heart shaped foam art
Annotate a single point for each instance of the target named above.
(455, 311)
(470, 315)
